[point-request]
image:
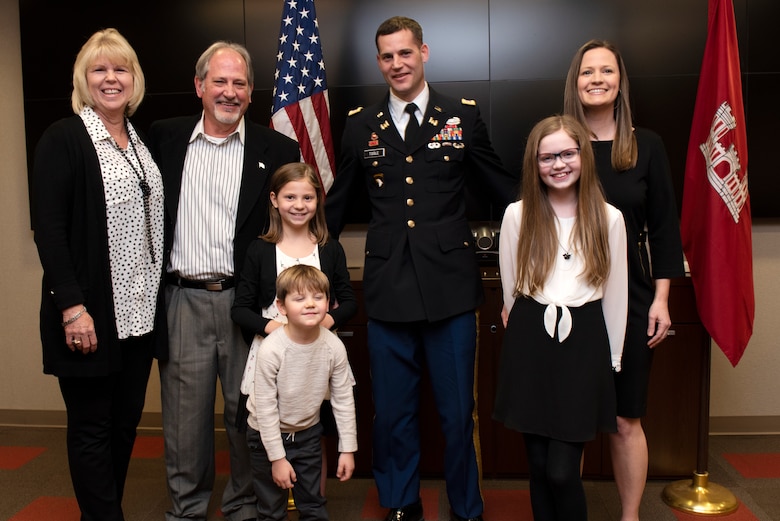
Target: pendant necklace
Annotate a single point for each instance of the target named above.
(566, 253)
(146, 190)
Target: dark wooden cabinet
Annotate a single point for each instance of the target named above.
(354, 337)
(679, 389)
(672, 423)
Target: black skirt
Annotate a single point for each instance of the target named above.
(562, 390)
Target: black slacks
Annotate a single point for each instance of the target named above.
(103, 413)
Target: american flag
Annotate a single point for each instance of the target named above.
(301, 109)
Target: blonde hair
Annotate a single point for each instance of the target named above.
(286, 174)
(538, 239)
(301, 277)
(624, 147)
(111, 45)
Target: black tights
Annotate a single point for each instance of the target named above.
(557, 493)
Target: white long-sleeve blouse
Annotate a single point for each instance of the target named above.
(564, 287)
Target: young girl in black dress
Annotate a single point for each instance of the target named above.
(562, 257)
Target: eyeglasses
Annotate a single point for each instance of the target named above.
(567, 156)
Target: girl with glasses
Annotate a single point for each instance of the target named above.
(562, 256)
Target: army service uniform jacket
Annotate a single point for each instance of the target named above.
(420, 261)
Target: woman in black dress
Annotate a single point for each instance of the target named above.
(635, 175)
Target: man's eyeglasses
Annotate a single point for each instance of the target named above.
(567, 156)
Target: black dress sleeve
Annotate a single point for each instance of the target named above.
(663, 225)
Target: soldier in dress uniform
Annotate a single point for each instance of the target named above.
(414, 151)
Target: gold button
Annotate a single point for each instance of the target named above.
(375, 163)
(410, 202)
(410, 180)
(446, 158)
(410, 223)
(465, 243)
(409, 159)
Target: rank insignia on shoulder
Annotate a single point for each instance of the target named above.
(465, 101)
(355, 111)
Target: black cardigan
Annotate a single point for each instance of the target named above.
(257, 286)
(71, 232)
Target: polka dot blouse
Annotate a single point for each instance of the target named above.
(135, 225)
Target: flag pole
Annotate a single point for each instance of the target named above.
(698, 495)
(716, 234)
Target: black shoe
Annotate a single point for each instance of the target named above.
(411, 512)
(456, 517)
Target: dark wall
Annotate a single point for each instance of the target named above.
(509, 55)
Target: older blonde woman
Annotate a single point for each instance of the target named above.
(98, 219)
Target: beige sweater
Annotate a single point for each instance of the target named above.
(291, 381)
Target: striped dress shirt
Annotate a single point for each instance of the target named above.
(208, 203)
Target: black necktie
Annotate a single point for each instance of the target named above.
(413, 126)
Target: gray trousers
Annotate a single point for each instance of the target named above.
(205, 344)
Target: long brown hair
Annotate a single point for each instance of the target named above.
(297, 172)
(624, 148)
(538, 239)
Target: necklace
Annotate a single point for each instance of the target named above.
(560, 229)
(566, 252)
(146, 190)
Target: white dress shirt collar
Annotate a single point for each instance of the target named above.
(398, 106)
(200, 130)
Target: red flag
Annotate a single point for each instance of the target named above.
(301, 108)
(716, 222)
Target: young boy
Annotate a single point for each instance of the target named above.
(296, 367)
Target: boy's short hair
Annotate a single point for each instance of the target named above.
(301, 277)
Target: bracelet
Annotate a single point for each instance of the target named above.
(75, 317)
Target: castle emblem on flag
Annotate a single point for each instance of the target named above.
(723, 167)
